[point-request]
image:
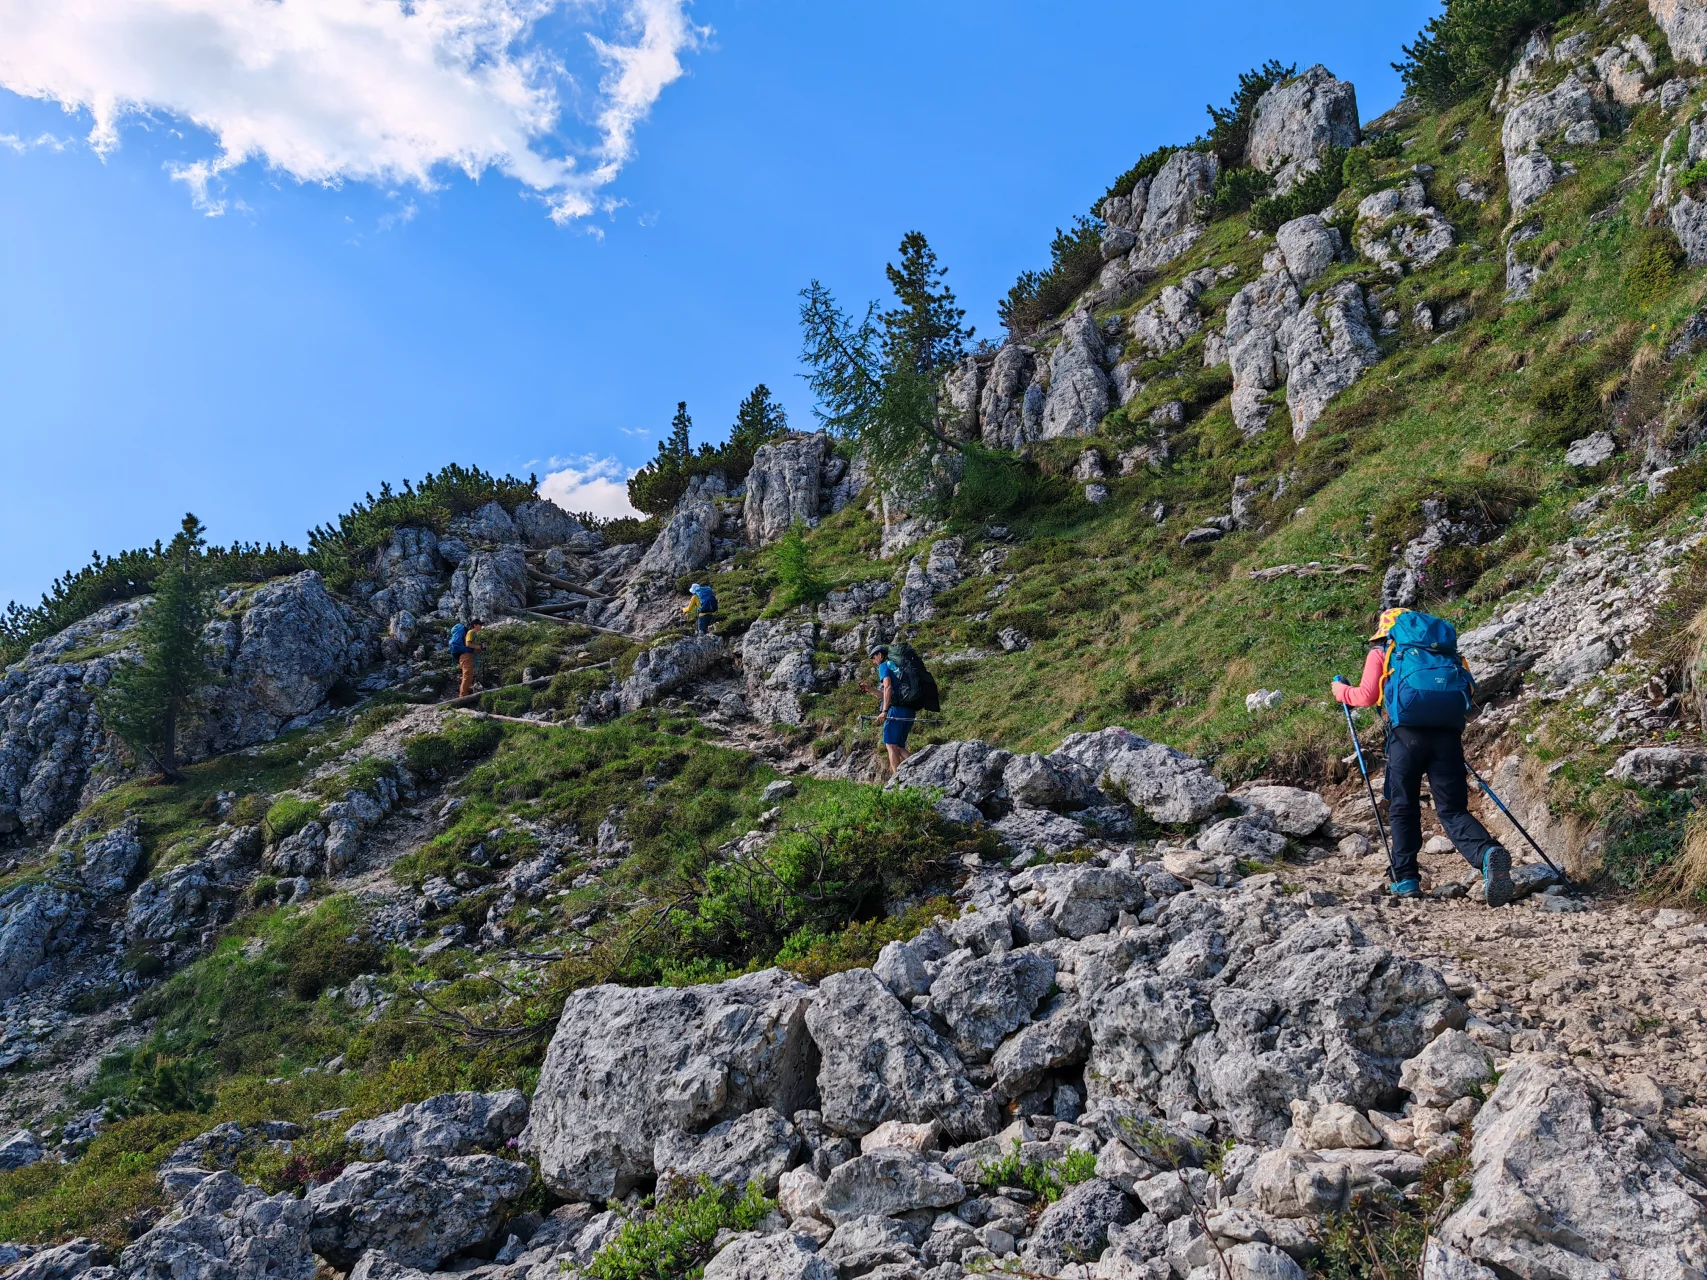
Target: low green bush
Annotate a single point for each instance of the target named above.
(1312, 194)
(1046, 1179)
(463, 739)
(286, 816)
(672, 1239)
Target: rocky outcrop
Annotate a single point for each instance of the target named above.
(226, 1229)
(52, 743)
(1167, 323)
(450, 1124)
(685, 542)
(666, 667)
(487, 585)
(1568, 111)
(189, 897)
(927, 578)
(1170, 210)
(418, 1212)
(1331, 346)
(784, 487)
(881, 1063)
(37, 921)
(1308, 246)
(1563, 1183)
(1685, 25)
(1078, 394)
(776, 657)
(1010, 409)
(630, 1064)
(1299, 119)
(1400, 227)
(1257, 336)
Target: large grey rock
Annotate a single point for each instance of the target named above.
(490, 524)
(1332, 344)
(757, 1147)
(685, 542)
(543, 523)
(490, 584)
(1564, 1185)
(1453, 1066)
(908, 968)
(881, 1063)
(783, 1256)
(1183, 180)
(1076, 1227)
(19, 1148)
(971, 771)
(1685, 25)
(1658, 766)
(225, 1230)
(37, 921)
(276, 663)
(984, 999)
(66, 1261)
(1060, 1037)
(628, 1064)
(187, 898)
(1001, 405)
(1310, 1010)
(887, 1183)
(1529, 176)
(927, 578)
(1080, 899)
(1044, 782)
(776, 658)
(1309, 246)
(784, 486)
(1297, 120)
(1536, 119)
(1167, 784)
(1250, 836)
(450, 1124)
(667, 667)
(962, 388)
(1165, 324)
(52, 742)
(107, 860)
(1078, 388)
(1296, 812)
(1260, 319)
(418, 1212)
(863, 1244)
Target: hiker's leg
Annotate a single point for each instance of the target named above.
(896, 755)
(466, 662)
(1404, 816)
(1451, 789)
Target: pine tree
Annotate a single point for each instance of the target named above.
(758, 421)
(924, 331)
(148, 703)
(678, 446)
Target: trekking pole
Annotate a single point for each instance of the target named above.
(1512, 818)
(1369, 787)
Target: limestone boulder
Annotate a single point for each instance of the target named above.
(757, 1147)
(776, 660)
(418, 1212)
(666, 667)
(1002, 417)
(785, 486)
(881, 1063)
(450, 1124)
(1078, 396)
(230, 1230)
(1563, 1184)
(1685, 25)
(629, 1064)
(1332, 345)
(970, 771)
(984, 999)
(684, 544)
(783, 1256)
(888, 1183)
(1297, 120)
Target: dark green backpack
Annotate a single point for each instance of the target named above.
(915, 688)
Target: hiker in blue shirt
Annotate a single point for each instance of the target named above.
(897, 720)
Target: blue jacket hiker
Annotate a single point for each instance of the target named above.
(703, 600)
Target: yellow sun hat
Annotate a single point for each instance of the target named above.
(1388, 618)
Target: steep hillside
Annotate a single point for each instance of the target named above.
(627, 964)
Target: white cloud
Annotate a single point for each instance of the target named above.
(382, 91)
(599, 485)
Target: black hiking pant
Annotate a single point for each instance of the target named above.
(1439, 753)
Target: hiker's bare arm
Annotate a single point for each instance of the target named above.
(1368, 692)
(888, 693)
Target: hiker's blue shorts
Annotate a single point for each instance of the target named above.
(896, 728)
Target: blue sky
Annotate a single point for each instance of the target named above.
(178, 333)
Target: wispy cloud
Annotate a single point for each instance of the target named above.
(384, 91)
(598, 485)
(634, 431)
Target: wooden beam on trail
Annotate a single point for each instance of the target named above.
(564, 583)
(570, 622)
(472, 698)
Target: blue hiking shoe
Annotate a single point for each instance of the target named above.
(1405, 889)
(1496, 876)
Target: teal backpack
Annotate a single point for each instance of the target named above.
(1426, 685)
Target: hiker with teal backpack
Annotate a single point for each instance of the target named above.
(1415, 674)
(905, 688)
(466, 648)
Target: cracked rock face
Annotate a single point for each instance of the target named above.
(1537, 119)
(1685, 25)
(784, 486)
(666, 667)
(1078, 394)
(227, 1229)
(629, 1064)
(776, 657)
(1003, 419)
(1332, 345)
(1299, 119)
(1549, 1151)
(451, 1124)
(418, 1212)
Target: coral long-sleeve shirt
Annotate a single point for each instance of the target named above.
(1368, 692)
